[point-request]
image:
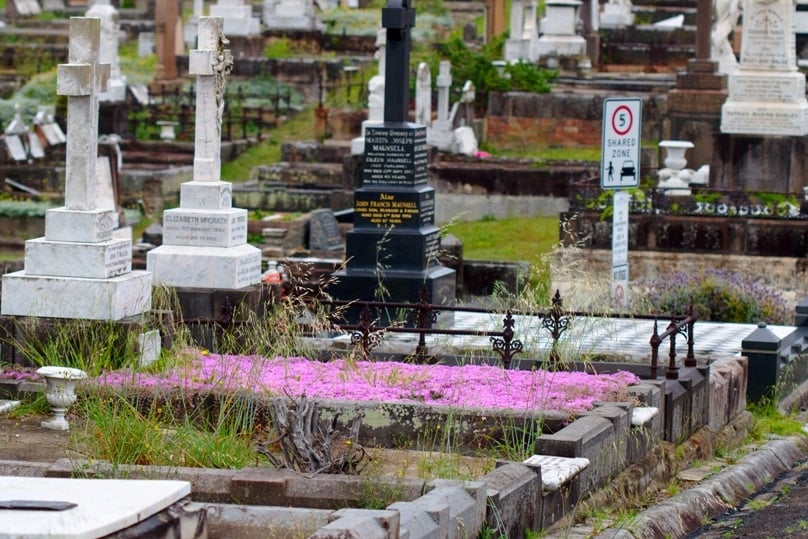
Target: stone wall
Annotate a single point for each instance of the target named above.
(565, 118)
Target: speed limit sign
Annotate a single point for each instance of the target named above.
(620, 154)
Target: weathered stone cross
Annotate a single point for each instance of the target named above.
(81, 80)
(211, 63)
(398, 17)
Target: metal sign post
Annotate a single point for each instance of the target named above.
(620, 249)
(620, 169)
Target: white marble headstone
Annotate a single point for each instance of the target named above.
(767, 92)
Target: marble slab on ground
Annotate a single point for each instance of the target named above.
(103, 506)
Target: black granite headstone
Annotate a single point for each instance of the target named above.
(392, 251)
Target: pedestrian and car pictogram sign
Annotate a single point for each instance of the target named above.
(620, 161)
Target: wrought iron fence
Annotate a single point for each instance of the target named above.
(588, 195)
(245, 114)
(419, 318)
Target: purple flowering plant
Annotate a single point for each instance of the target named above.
(467, 386)
(717, 295)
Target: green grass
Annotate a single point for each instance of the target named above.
(512, 239)
(542, 154)
(298, 127)
(769, 421)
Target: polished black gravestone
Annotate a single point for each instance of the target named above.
(392, 251)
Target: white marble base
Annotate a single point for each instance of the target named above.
(440, 135)
(783, 119)
(71, 259)
(103, 506)
(616, 16)
(116, 91)
(149, 345)
(88, 226)
(561, 46)
(70, 297)
(277, 22)
(205, 228)
(206, 195)
(205, 267)
(516, 50)
(7, 405)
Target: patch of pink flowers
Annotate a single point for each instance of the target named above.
(469, 386)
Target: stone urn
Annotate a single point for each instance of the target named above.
(670, 177)
(60, 392)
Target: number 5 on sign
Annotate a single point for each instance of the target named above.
(620, 153)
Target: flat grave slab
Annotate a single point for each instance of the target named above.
(103, 506)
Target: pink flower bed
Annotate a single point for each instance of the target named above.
(466, 386)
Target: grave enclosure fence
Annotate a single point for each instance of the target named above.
(245, 115)
(588, 195)
(419, 319)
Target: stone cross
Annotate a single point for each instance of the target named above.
(444, 84)
(397, 18)
(211, 63)
(423, 95)
(81, 80)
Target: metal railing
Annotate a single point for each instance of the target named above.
(419, 318)
(244, 114)
(678, 326)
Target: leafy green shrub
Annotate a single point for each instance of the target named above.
(479, 68)
(717, 295)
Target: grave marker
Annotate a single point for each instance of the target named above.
(394, 243)
(205, 239)
(324, 232)
(78, 270)
(767, 92)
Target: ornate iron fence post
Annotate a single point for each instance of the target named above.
(556, 322)
(672, 373)
(506, 346)
(425, 317)
(690, 360)
(655, 341)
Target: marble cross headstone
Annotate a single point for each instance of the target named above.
(79, 270)
(423, 95)
(110, 30)
(205, 239)
(440, 134)
(514, 45)
(211, 68)
(81, 80)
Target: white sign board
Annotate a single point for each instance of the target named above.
(620, 153)
(620, 229)
(620, 286)
(620, 248)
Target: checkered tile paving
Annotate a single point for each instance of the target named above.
(626, 339)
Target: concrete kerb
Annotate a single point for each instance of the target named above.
(684, 513)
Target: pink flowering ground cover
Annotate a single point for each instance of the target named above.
(470, 386)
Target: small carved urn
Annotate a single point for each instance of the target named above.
(60, 393)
